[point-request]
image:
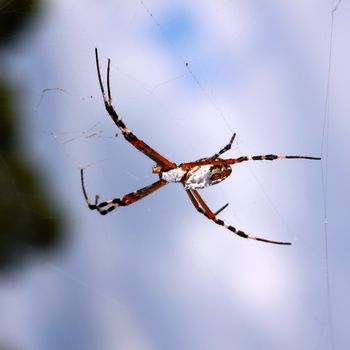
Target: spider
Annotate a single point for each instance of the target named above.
(193, 175)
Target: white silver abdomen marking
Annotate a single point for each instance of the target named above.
(173, 175)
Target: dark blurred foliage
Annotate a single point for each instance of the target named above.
(15, 15)
(28, 221)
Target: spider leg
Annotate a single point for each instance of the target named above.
(128, 135)
(202, 208)
(272, 157)
(107, 206)
(224, 149)
(221, 209)
(195, 203)
(209, 161)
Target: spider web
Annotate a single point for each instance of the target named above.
(328, 313)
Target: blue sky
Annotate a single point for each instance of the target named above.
(157, 275)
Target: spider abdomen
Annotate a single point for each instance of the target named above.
(206, 175)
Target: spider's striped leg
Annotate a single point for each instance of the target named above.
(128, 135)
(197, 206)
(224, 149)
(231, 161)
(201, 206)
(272, 157)
(130, 198)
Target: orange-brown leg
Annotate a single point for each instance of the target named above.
(202, 207)
(107, 206)
(231, 161)
(128, 135)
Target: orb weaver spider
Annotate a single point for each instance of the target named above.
(193, 175)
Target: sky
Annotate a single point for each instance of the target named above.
(184, 77)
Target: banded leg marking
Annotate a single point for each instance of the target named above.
(273, 157)
(201, 207)
(128, 135)
(107, 206)
(209, 161)
(224, 149)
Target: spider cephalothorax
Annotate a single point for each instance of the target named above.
(193, 175)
